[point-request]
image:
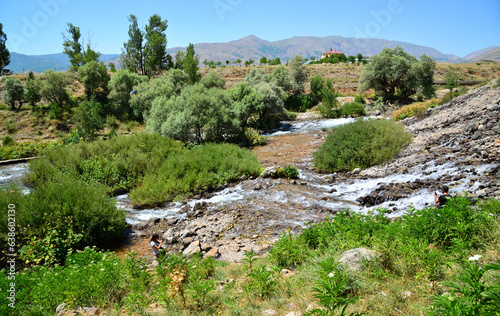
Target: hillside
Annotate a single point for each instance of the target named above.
(476, 54)
(39, 63)
(252, 47)
(493, 54)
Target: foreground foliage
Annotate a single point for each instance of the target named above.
(419, 251)
(361, 144)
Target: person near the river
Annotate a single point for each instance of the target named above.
(441, 199)
(156, 244)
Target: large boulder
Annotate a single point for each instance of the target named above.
(354, 258)
(193, 248)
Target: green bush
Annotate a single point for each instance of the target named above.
(361, 144)
(8, 141)
(352, 109)
(300, 102)
(359, 99)
(60, 214)
(193, 171)
(289, 172)
(25, 150)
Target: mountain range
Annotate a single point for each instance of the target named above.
(252, 47)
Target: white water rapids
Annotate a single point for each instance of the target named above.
(316, 192)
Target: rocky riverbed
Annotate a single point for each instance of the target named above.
(456, 144)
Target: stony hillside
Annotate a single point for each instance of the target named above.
(463, 133)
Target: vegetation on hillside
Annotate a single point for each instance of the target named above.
(361, 144)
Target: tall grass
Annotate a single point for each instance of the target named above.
(361, 144)
(153, 168)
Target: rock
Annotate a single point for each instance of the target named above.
(354, 258)
(406, 295)
(377, 113)
(356, 171)
(456, 148)
(476, 136)
(333, 190)
(154, 264)
(262, 250)
(270, 172)
(187, 241)
(243, 178)
(205, 247)
(269, 312)
(214, 253)
(293, 182)
(193, 248)
(172, 221)
(481, 193)
(61, 308)
(257, 187)
(294, 314)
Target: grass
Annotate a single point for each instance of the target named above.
(423, 256)
(361, 144)
(26, 150)
(153, 168)
(413, 109)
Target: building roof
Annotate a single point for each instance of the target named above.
(333, 52)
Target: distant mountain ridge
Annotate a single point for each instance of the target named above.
(40, 63)
(252, 47)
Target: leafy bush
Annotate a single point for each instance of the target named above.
(289, 172)
(253, 137)
(361, 144)
(359, 99)
(197, 170)
(330, 107)
(14, 92)
(289, 252)
(8, 141)
(352, 109)
(300, 102)
(90, 118)
(60, 214)
(25, 150)
(213, 80)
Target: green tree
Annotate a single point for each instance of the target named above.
(14, 92)
(228, 62)
(4, 52)
(132, 57)
(180, 56)
(451, 81)
(191, 62)
(425, 76)
(263, 60)
(73, 47)
(351, 59)
(317, 85)
(32, 89)
(298, 74)
(213, 80)
(198, 114)
(112, 67)
(238, 61)
(122, 84)
(54, 87)
(94, 77)
(90, 118)
(256, 76)
(394, 73)
(249, 62)
(155, 49)
(147, 92)
(359, 57)
(281, 77)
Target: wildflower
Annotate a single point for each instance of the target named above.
(475, 258)
(331, 274)
(102, 269)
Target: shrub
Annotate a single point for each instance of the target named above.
(54, 87)
(330, 107)
(359, 99)
(90, 118)
(289, 252)
(14, 92)
(413, 109)
(361, 144)
(213, 80)
(289, 172)
(197, 170)
(94, 77)
(300, 102)
(60, 214)
(8, 141)
(352, 109)
(121, 85)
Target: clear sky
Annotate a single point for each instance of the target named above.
(457, 27)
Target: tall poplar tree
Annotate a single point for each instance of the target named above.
(191, 62)
(132, 54)
(155, 49)
(4, 52)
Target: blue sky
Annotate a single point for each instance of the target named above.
(457, 27)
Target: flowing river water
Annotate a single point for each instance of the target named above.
(267, 207)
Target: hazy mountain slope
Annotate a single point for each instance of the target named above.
(478, 53)
(40, 63)
(493, 54)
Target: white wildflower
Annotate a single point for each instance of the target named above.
(475, 258)
(331, 274)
